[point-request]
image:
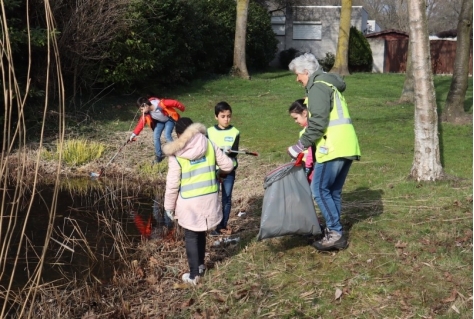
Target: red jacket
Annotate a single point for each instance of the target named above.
(168, 108)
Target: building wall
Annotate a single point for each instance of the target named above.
(378, 54)
(372, 26)
(319, 23)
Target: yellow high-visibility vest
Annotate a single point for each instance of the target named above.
(223, 138)
(198, 177)
(339, 138)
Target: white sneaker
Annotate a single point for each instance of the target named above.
(202, 270)
(188, 280)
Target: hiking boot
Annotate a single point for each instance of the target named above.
(332, 240)
(320, 236)
(202, 270)
(188, 280)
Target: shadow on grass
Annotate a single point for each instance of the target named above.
(358, 205)
(361, 204)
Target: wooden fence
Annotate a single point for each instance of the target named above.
(443, 54)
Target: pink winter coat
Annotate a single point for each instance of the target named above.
(198, 213)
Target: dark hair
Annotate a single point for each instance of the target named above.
(182, 124)
(222, 106)
(297, 107)
(143, 100)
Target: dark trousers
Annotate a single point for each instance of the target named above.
(195, 250)
(226, 192)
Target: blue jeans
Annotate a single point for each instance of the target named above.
(168, 127)
(326, 186)
(227, 187)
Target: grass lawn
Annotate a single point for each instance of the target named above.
(410, 252)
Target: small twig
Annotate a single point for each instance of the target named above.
(443, 220)
(67, 247)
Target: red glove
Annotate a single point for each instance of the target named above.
(294, 150)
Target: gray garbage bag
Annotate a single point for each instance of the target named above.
(288, 207)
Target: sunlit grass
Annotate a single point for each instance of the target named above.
(410, 243)
(75, 152)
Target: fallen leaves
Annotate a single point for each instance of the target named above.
(337, 294)
(401, 245)
(187, 303)
(451, 298)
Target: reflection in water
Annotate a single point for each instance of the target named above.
(94, 231)
(159, 213)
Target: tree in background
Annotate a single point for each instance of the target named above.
(408, 91)
(341, 64)
(393, 14)
(426, 163)
(87, 30)
(454, 108)
(240, 65)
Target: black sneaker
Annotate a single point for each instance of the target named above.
(332, 240)
(215, 233)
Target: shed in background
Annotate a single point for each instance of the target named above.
(390, 49)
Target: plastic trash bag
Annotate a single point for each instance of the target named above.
(288, 207)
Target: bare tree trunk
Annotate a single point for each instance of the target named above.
(426, 161)
(454, 108)
(240, 66)
(408, 92)
(341, 65)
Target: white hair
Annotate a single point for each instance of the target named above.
(304, 62)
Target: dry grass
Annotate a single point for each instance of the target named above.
(150, 286)
(286, 278)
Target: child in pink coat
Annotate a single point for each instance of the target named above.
(191, 194)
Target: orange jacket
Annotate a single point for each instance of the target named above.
(169, 106)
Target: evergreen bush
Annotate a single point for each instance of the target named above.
(360, 54)
(164, 45)
(327, 62)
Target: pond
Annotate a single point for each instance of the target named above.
(92, 226)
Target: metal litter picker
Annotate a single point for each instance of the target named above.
(102, 170)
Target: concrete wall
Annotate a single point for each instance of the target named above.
(377, 45)
(324, 19)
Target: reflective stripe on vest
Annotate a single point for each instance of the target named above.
(198, 177)
(223, 138)
(339, 139)
(338, 100)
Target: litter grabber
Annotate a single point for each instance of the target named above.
(102, 170)
(243, 152)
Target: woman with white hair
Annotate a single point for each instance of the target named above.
(335, 142)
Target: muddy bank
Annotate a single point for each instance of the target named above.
(146, 282)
